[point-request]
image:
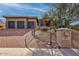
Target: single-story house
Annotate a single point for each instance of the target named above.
(21, 22)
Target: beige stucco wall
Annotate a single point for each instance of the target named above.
(75, 38)
(67, 38)
(64, 38)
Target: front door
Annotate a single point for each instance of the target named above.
(47, 23)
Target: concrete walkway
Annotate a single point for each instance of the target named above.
(15, 52)
(38, 52)
(25, 52)
(68, 52)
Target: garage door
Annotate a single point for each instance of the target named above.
(20, 24)
(11, 24)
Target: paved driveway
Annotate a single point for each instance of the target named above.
(13, 38)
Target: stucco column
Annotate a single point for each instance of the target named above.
(15, 24)
(25, 24)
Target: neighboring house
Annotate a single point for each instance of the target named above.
(2, 25)
(21, 22)
(44, 23)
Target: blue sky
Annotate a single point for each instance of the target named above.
(24, 9)
(75, 22)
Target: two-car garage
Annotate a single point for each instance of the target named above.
(11, 24)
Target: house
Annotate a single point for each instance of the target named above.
(21, 22)
(44, 24)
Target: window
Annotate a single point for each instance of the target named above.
(30, 24)
(40, 23)
(47, 23)
(11, 24)
(20, 24)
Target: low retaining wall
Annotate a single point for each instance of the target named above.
(34, 42)
(67, 38)
(30, 41)
(75, 38)
(63, 36)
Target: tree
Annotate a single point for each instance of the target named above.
(69, 11)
